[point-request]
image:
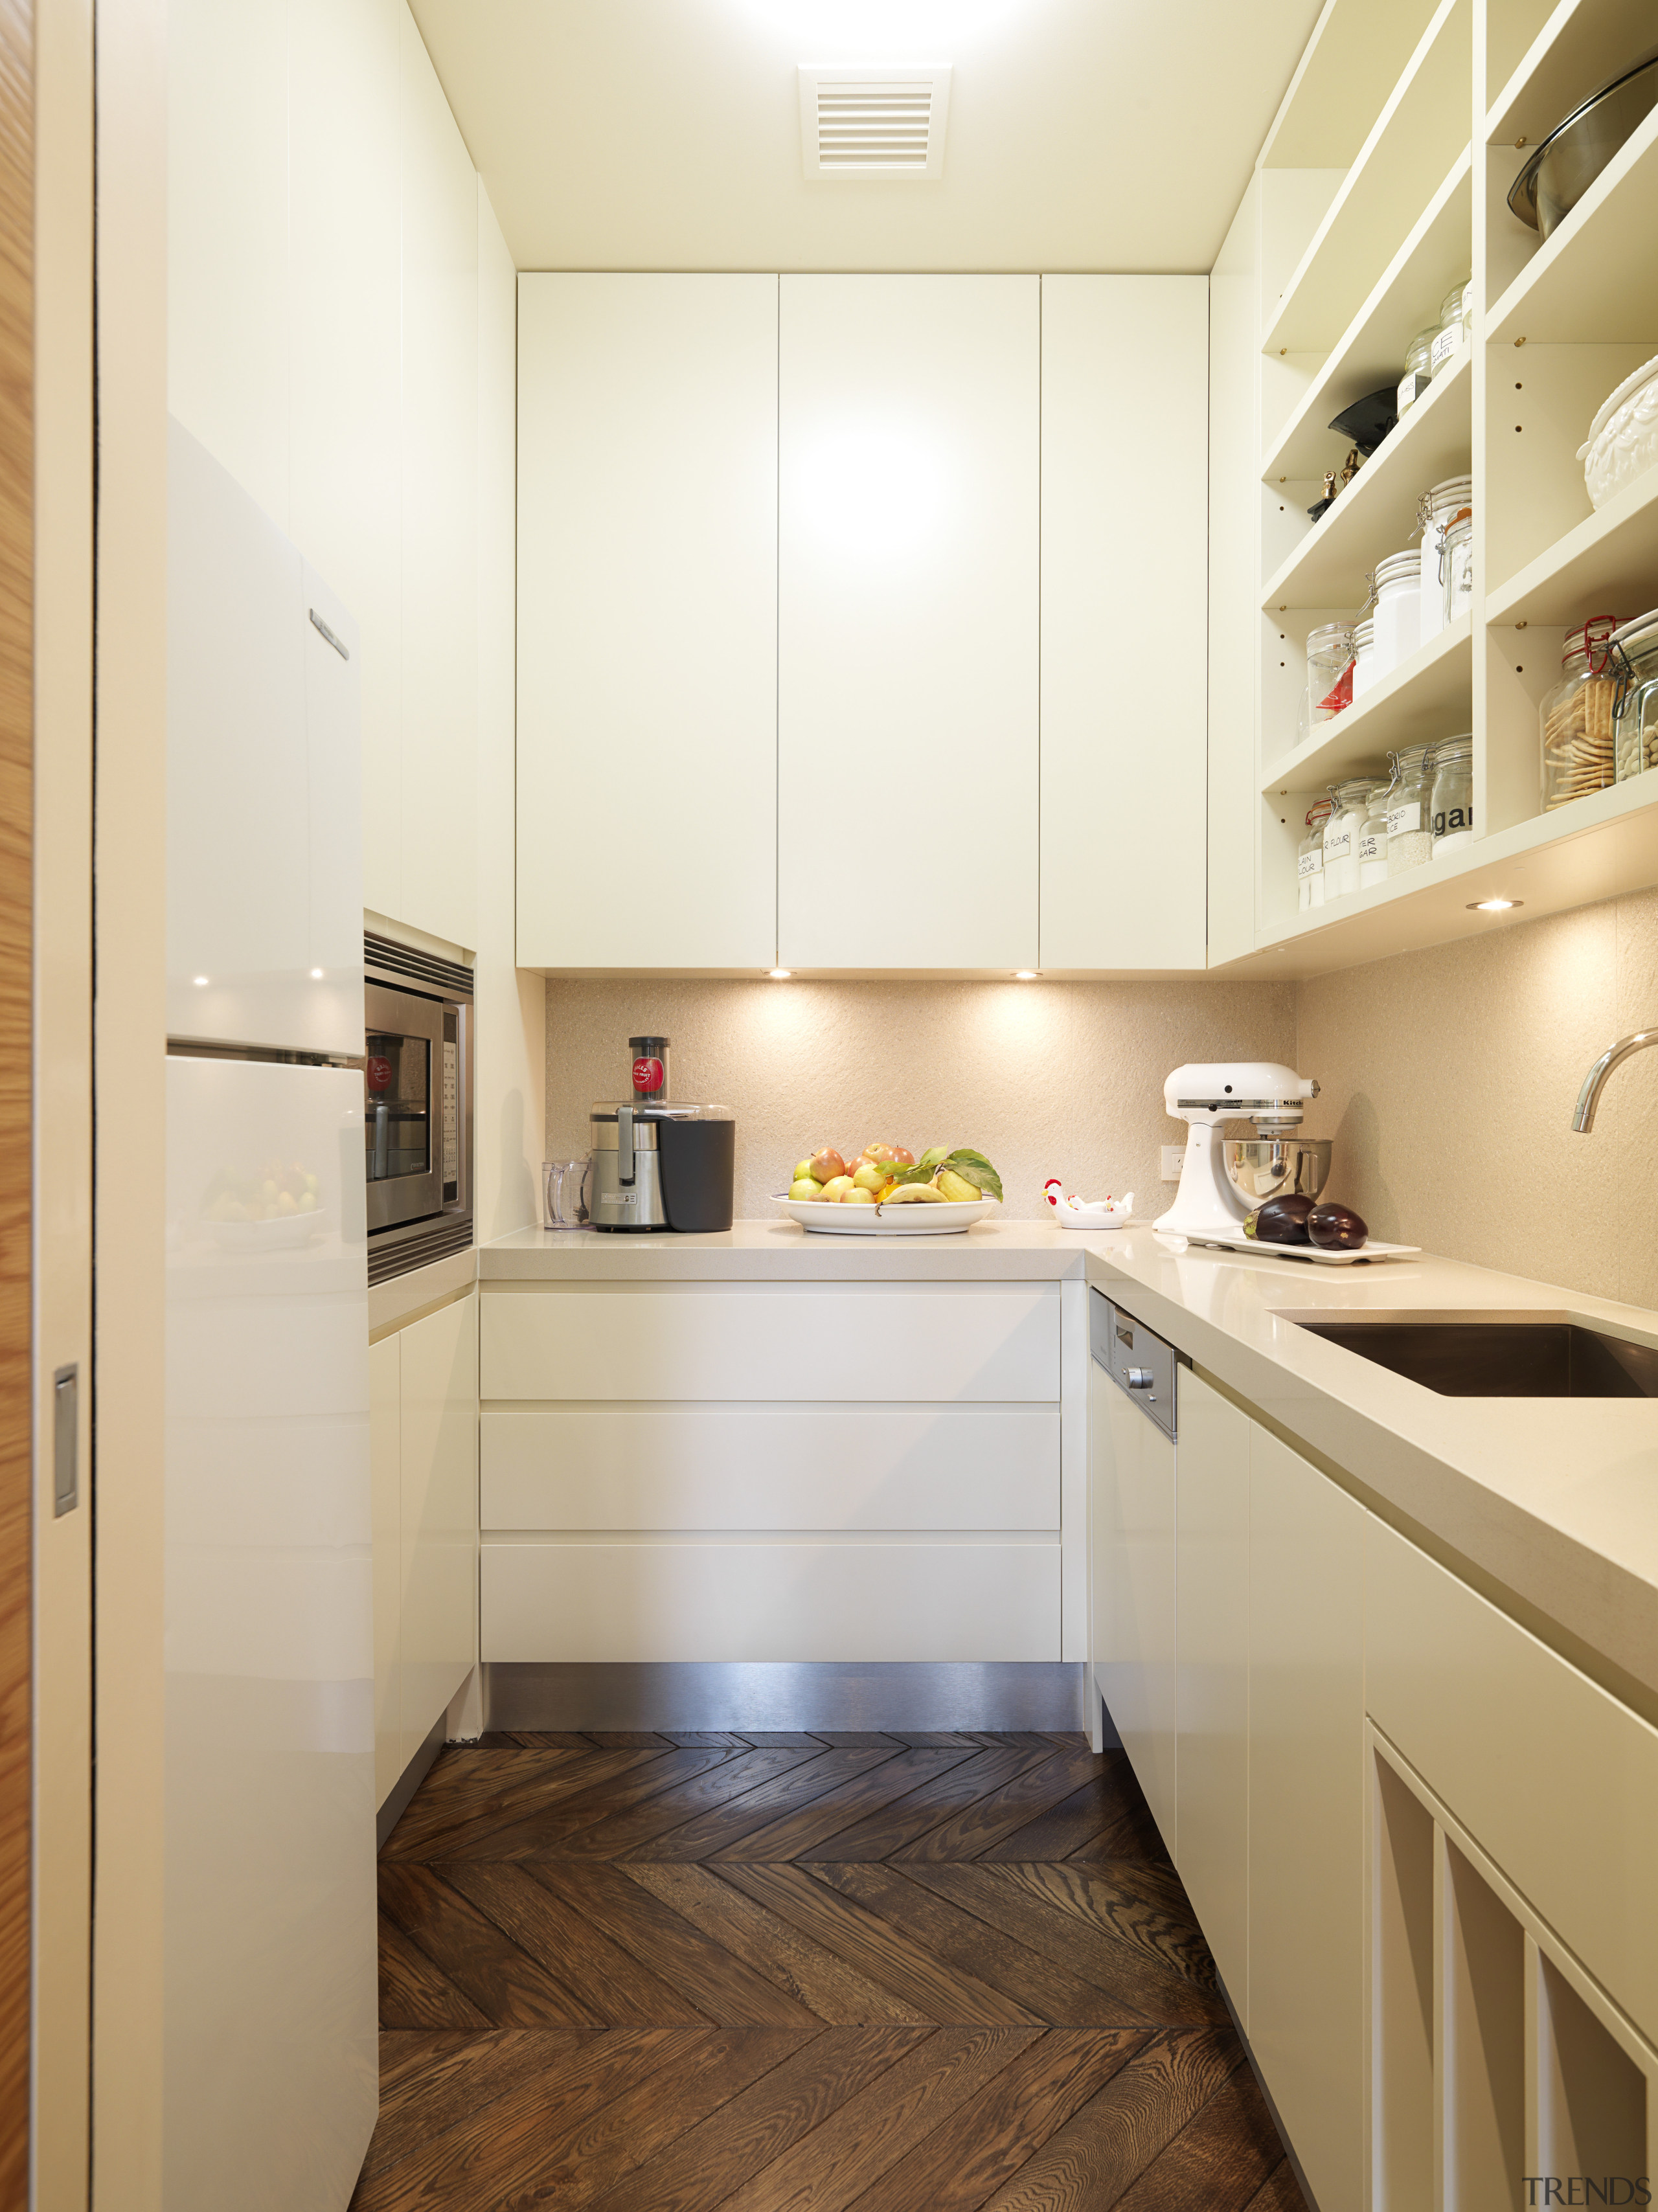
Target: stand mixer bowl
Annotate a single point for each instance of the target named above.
(1273, 1167)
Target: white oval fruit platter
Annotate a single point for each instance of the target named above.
(943, 1219)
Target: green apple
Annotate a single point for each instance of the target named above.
(871, 1177)
(801, 1168)
(804, 1187)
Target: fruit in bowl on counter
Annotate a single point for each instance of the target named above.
(890, 1175)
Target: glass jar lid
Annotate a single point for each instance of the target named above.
(1408, 761)
(1399, 569)
(1364, 637)
(1442, 501)
(1591, 643)
(1319, 813)
(1421, 347)
(1451, 753)
(1347, 795)
(1635, 645)
(1450, 307)
(1459, 531)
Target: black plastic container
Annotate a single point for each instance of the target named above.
(699, 1165)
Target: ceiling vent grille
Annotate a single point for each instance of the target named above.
(859, 122)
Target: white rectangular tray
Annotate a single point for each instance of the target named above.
(1366, 1253)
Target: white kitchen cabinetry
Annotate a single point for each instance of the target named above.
(1211, 1671)
(679, 1473)
(1305, 1811)
(907, 621)
(647, 624)
(1124, 587)
(1132, 1528)
(424, 1432)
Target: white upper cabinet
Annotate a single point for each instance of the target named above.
(1125, 594)
(647, 636)
(263, 791)
(907, 678)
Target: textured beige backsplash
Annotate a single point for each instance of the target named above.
(1044, 1078)
(1449, 1079)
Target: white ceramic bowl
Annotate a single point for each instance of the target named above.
(943, 1219)
(1623, 440)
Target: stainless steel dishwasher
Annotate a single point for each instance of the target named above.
(1131, 1479)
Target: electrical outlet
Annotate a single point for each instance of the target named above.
(1174, 1156)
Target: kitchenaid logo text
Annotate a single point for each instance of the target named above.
(1587, 2189)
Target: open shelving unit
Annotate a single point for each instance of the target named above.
(1354, 240)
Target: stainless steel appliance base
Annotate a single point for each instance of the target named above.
(908, 1695)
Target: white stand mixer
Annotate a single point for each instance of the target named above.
(1207, 1094)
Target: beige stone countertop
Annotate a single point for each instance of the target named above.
(782, 1252)
(1551, 1504)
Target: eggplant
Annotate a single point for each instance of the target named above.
(1336, 1228)
(1284, 1220)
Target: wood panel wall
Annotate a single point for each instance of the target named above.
(16, 939)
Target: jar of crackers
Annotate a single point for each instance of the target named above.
(1579, 750)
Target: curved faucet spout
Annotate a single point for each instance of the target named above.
(1595, 1081)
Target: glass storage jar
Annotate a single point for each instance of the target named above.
(1575, 719)
(1365, 656)
(1456, 318)
(1398, 597)
(1371, 847)
(1329, 676)
(1456, 564)
(1453, 801)
(1419, 369)
(1341, 836)
(1309, 859)
(1438, 507)
(1410, 832)
(1635, 648)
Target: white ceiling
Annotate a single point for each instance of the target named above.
(665, 134)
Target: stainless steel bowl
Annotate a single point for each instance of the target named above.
(1575, 151)
(1261, 1168)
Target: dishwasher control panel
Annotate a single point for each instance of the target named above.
(1137, 1359)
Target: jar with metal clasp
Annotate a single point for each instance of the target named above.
(1410, 818)
(1577, 719)
(1309, 859)
(1453, 802)
(1635, 648)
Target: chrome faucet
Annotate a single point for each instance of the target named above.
(1595, 1081)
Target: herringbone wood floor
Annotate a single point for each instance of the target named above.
(801, 1974)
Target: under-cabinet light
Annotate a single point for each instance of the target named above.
(1024, 975)
(316, 974)
(779, 974)
(1494, 905)
(200, 982)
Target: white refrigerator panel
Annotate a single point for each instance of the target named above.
(270, 2017)
(265, 803)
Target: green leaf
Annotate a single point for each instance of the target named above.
(913, 1175)
(974, 1167)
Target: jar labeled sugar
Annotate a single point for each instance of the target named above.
(1452, 801)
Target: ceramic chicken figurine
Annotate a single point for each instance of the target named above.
(1071, 1212)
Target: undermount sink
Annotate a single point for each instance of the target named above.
(1486, 1358)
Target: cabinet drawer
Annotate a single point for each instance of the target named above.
(1552, 1776)
(842, 1347)
(763, 1467)
(768, 1602)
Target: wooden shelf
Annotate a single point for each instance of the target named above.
(1376, 515)
(1357, 49)
(1415, 136)
(1371, 350)
(1596, 848)
(1584, 45)
(1595, 281)
(1430, 695)
(1610, 561)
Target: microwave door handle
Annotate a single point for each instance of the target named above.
(382, 1132)
(624, 1143)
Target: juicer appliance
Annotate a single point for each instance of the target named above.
(1224, 1180)
(657, 1163)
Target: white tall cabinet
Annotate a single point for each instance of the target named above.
(907, 621)
(1125, 591)
(647, 622)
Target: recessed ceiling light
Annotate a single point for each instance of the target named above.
(1494, 905)
(780, 975)
(1024, 975)
(200, 981)
(316, 974)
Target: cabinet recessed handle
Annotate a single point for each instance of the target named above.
(1140, 1378)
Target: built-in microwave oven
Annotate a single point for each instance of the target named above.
(417, 1106)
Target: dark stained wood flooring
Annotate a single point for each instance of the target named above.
(801, 1974)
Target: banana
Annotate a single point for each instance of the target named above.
(916, 1194)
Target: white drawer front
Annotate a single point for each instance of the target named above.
(1555, 1778)
(841, 1346)
(762, 1602)
(763, 1467)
